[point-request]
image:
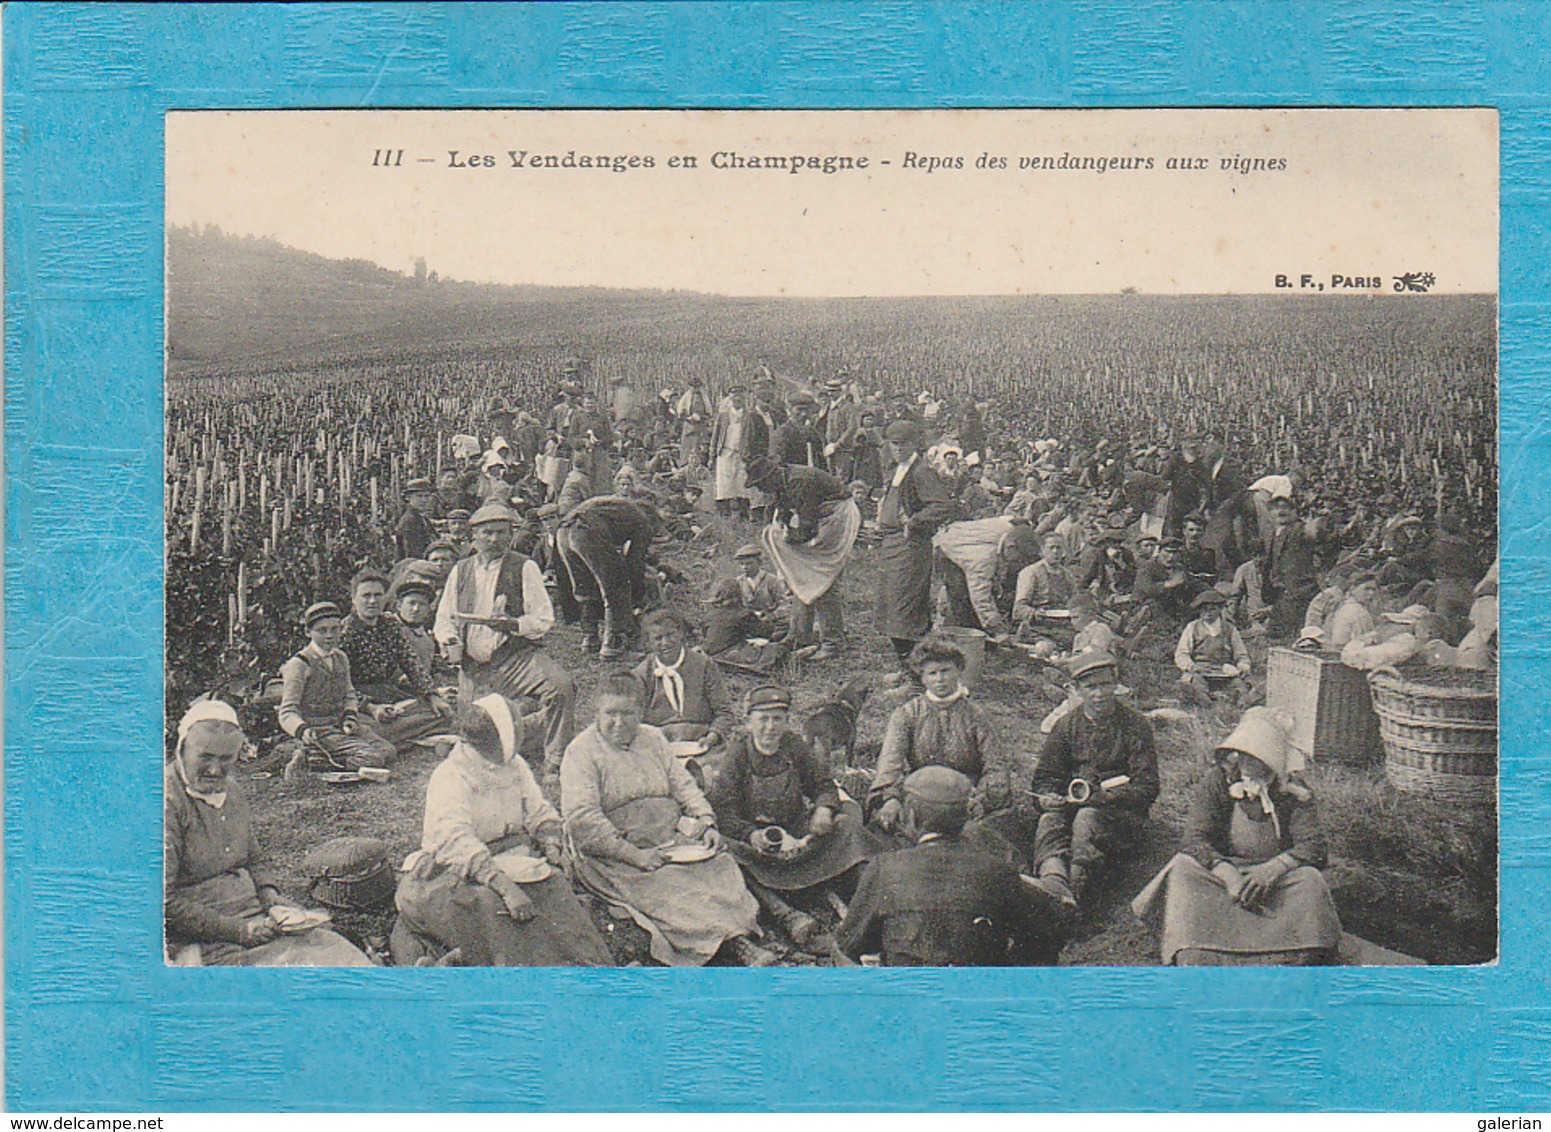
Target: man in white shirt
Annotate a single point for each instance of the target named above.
(491, 621)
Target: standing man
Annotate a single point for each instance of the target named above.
(1187, 477)
(841, 418)
(758, 428)
(492, 619)
(1103, 741)
(915, 504)
(728, 442)
(798, 441)
(602, 546)
(970, 553)
(1291, 576)
(813, 526)
(693, 411)
(414, 531)
(626, 405)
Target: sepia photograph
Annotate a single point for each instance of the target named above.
(763, 538)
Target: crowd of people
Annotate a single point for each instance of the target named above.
(484, 528)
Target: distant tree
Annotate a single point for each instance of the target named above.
(420, 270)
(435, 277)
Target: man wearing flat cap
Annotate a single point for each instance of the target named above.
(799, 441)
(760, 590)
(1163, 583)
(1211, 656)
(916, 502)
(1096, 779)
(318, 701)
(491, 621)
(414, 531)
(945, 902)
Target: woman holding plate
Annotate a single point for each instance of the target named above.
(644, 837)
(485, 879)
(222, 906)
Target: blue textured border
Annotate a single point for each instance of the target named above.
(93, 1020)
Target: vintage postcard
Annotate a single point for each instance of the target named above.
(970, 538)
(671, 557)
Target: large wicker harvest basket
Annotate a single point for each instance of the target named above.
(1440, 732)
(1330, 704)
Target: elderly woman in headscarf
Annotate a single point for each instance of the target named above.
(484, 881)
(1246, 888)
(222, 906)
(644, 837)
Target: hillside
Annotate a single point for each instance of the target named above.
(243, 297)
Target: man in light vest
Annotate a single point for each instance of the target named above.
(491, 621)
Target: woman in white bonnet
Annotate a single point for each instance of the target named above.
(485, 882)
(218, 895)
(1247, 887)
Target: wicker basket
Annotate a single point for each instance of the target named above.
(1330, 703)
(1439, 739)
(351, 873)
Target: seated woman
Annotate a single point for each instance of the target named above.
(630, 809)
(484, 880)
(941, 727)
(1246, 889)
(773, 780)
(686, 696)
(218, 896)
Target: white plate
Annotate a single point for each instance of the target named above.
(684, 748)
(1056, 614)
(522, 868)
(688, 854)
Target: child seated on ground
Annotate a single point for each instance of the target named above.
(1211, 656)
(777, 804)
(318, 702)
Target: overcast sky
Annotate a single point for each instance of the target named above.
(1364, 193)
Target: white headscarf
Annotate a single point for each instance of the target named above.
(499, 710)
(202, 711)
